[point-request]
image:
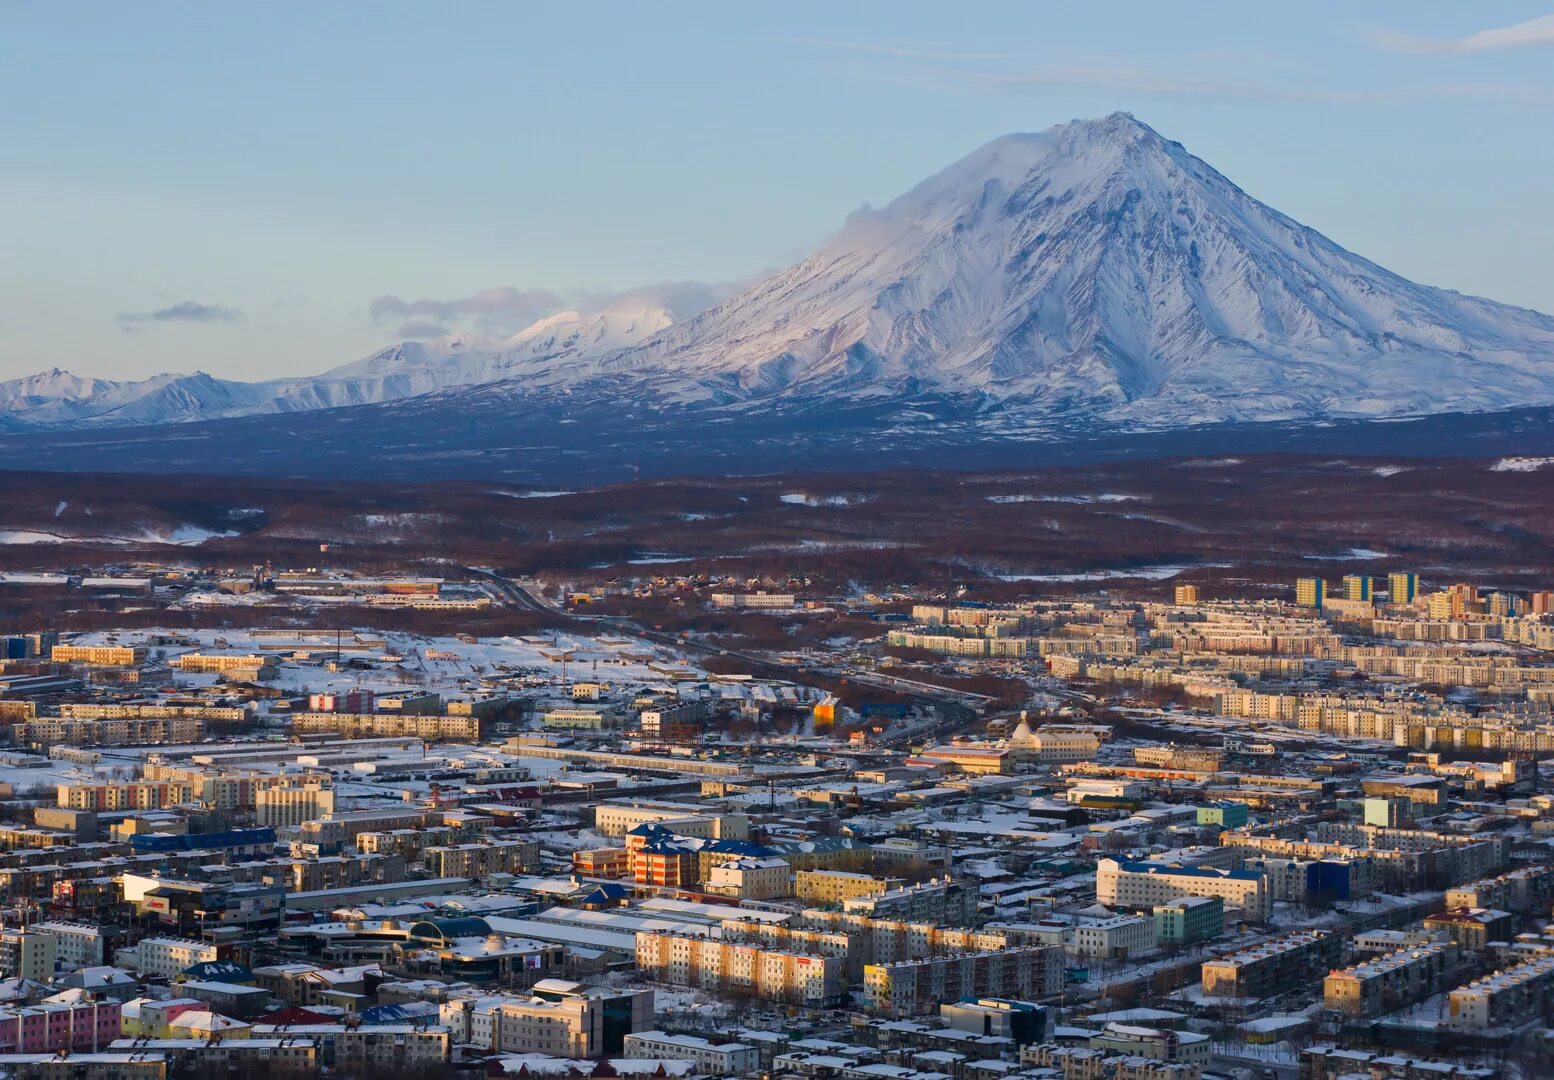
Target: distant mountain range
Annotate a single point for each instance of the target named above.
(1094, 278)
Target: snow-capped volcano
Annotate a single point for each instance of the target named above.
(1094, 273)
(1099, 268)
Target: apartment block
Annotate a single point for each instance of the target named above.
(1389, 982)
(1260, 970)
(294, 800)
(98, 655)
(836, 886)
(1142, 885)
(940, 901)
(449, 728)
(914, 987)
(1189, 919)
(482, 859)
(711, 1058)
(1504, 998)
(169, 957)
(751, 879)
(27, 954)
(684, 959)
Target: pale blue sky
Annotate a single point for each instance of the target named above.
(229, 187)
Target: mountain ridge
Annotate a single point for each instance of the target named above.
(1093, 273)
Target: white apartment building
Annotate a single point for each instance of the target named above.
(751, 879)
(168, 956)
(81, 944)
(616, 818)
(1119, 936)
(1143, 885)
(570, 1028)
(1504, 998)
(293, 801)
(712, 1059)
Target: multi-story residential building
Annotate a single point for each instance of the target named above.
(1526, 890)
(687, 959)
(1186, 595)
(27, 954)
(1189, 919)
(1310, 591)
(751, 879)
(836, 886)
(615, 818)
(1226, 815)
(1389, 982)
(913, 987)
(1472, 929)
(1117, 936)
(135, 795)
(1157, 1044)
(294, 800)
(80, 944)
(483, 859)
(371, 1049)
(939, 901)
(221, 663)
(601, 862)
(1143, 885)
(1333, 1063)
(710, 1058)
(1285, 961)
(99, 655)
(773, 601)
(1503, 999)
(431, 728)
(571, 1026)
(1357, 587)
(64, 1022)
(1402, 587)
(125, 731)
(1094, 1063)
(168, 957)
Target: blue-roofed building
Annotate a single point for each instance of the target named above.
(253, 842)
(222, 971)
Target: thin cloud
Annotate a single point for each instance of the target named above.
(183, 311)
(1533, 32)
(503, 310)
(421, 330)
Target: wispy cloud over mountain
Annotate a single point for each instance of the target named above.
(183, 311)
(1530, 33)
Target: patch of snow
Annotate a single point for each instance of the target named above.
(1353, 553)
(1521, 464)
(1148, 573)
(1104, 497)
(799, 498)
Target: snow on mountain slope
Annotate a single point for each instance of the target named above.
(1092, 273)
(59, 399)
(1098, 267)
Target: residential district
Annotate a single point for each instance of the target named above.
(1304, 836)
